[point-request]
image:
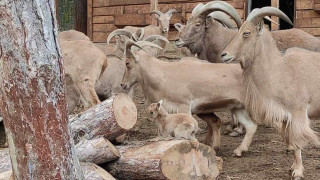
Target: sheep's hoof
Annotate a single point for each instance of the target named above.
(234, 134)
(237, 153)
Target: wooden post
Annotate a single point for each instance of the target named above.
(89, 20)
(80, 16)
(274, 27)
(153, 6)
(32, 94)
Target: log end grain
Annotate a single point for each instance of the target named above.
(185, 161)
(125, 111)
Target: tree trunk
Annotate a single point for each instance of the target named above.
(80, 15)
(32, 93)
(175, 159)
(97, 151)
(109, 119)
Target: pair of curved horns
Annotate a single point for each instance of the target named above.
(222, 18)
(123, 32)
(156, 37)
(140, 44)
(258, 14)
(219, 6)
(159, 13)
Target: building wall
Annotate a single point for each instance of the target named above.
(308, 16)
(104, 16)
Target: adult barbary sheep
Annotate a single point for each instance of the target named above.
(280, 89)
(208, 38)
(72, 35)
(184, 87)
(85, 63)
(173, 125)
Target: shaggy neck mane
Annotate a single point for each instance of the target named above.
(258, 82)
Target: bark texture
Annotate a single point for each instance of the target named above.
(109, 119)
(165, 159)
(32, 93)
(97, 151)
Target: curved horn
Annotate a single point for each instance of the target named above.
(159, 13)
(268, 11)
(222, 18)
(269, 19)
(197, 8)
(178, 26)
(130, 43)
(147, 43)
(141, 33)
(171, 11)
(124, 32)
(156, 37)
(220, 6)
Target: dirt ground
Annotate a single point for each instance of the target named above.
(266, 159)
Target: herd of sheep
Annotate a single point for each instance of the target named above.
(275, 79)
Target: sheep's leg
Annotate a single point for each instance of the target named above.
(88, 93)
(251, 129)
(297, 167)
(214, 126)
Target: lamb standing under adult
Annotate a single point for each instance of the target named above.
(281, 89)
(173, 125)
(184, 87)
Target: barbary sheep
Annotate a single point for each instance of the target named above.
(281, 89)
(173, 125)
(208, 38)
(184, 87)
(85, 63)
(72, 35)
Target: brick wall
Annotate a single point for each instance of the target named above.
(104, 16)
(308, 16)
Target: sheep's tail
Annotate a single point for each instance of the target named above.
(297, 133)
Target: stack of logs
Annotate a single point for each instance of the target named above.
(95, 129)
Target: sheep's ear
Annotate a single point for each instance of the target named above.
(260, 26)
(208, 21)
(158, 105)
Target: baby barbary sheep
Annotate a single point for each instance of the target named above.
(173, 125)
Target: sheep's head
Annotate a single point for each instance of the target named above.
(164, 19)
(154, 109)
(194, 32)
(251, 37)
(134, 55)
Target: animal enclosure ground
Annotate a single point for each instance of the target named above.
(267, 158)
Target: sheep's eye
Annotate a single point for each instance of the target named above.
(198, 24)
(247, 33)
(127, 64)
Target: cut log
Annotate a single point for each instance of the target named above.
(96, 151)
(94, 172)
(166, 159)
(110, 119)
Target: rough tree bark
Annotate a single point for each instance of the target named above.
(80, 16)
(32, 93)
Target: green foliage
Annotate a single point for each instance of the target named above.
(66, 14)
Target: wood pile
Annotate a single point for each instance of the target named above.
(156, 159)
